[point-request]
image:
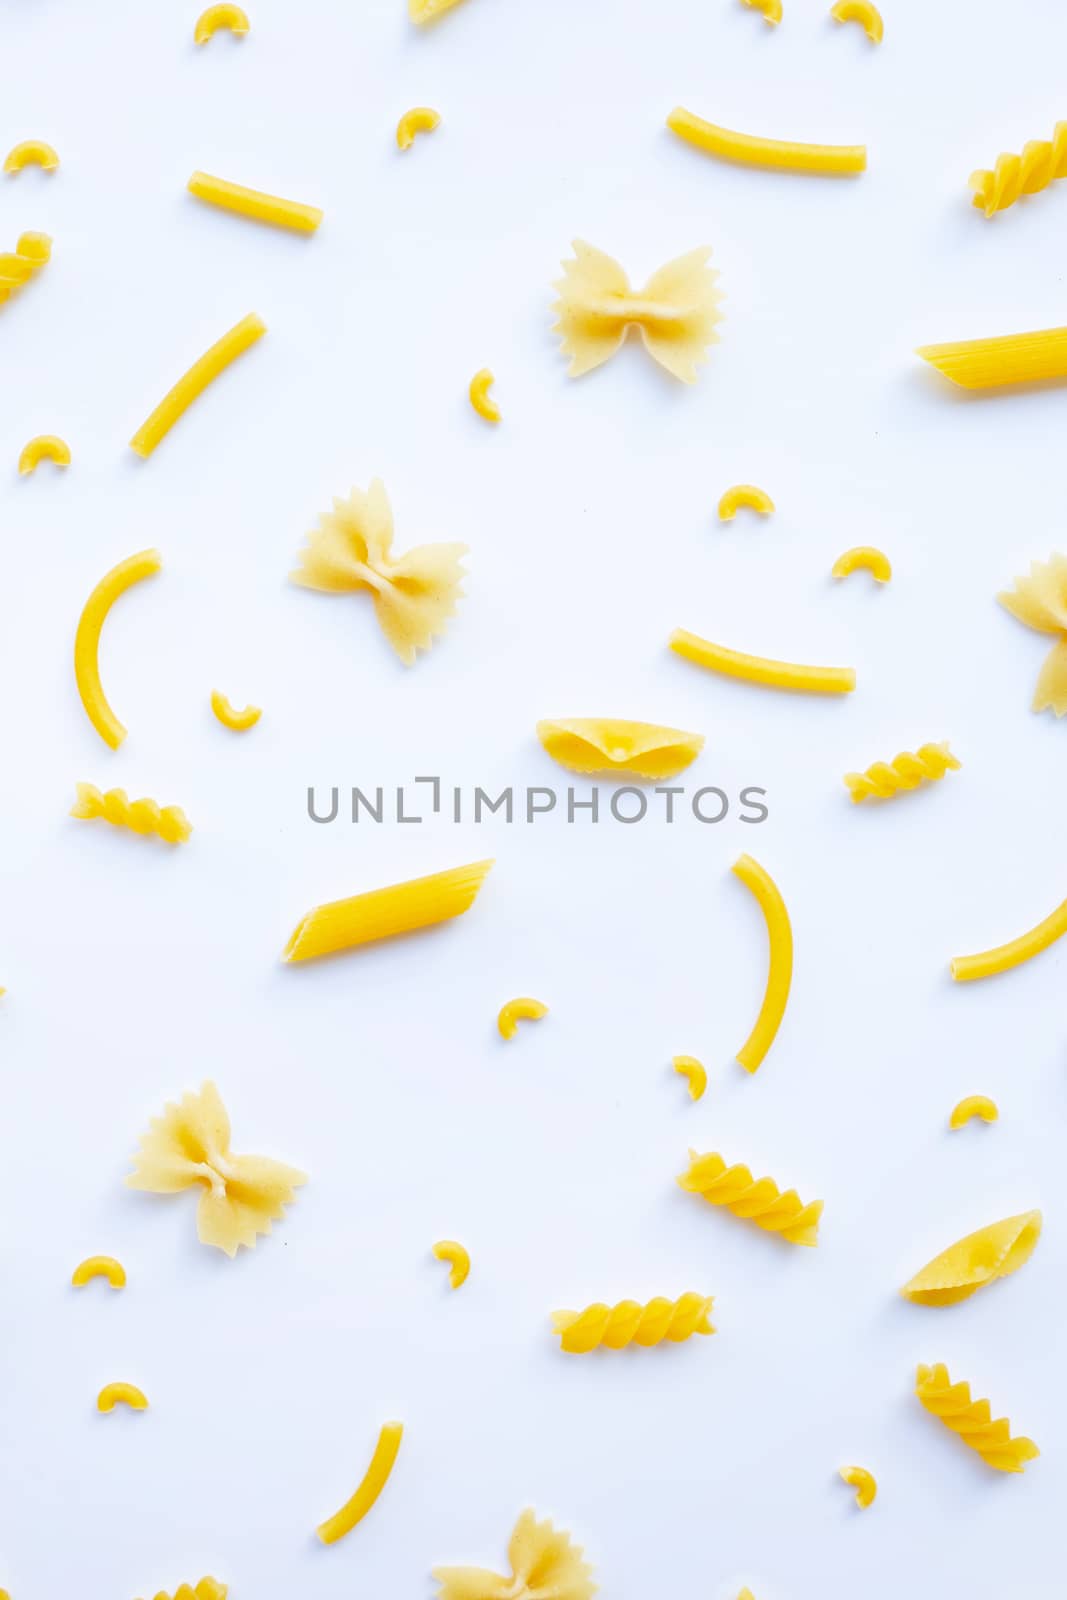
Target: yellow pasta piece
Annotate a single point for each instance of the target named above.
(1041, 602)
(689, 1068)
(829, 160)
(863, 556)
(31, 153)
(629, 1323)
(99, 1267)
(771, 10)
(429, 10)
(760, 669)
(744, 494)
(974, 1105)
(865, 13)
(126, 1394)
(780, 966)
(192, 384)
(965, 969)
(1039, 357)
(87, 640)
(759, 1200)
(168, 823)
(1041, 163)
(968, 1265)
(884, 780)
(972, 1420)
(33, 251)
(222, 16)
(420, 119)
(351, 550)
(480, 386)
(45, 446)
(863, 1482)
(254, 203)
(610, 744)
(237, 721)
(449, 1250)
(374, 1480)
(206, 1589)
(515, 1011)
(189, 1145)
(545, 1565)
(676, 313)
(383, 913)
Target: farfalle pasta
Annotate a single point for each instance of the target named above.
(351, 552)
(610, 744)
(628, 1322)
(189, 1147)
(758, 1200)
(972, 1420)
(545, 1565)
(676, 312)
(1041, 602)
(968, 1265)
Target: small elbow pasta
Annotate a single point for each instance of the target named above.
(973, 1105)
(689, 1068)
(865, 13)
(616, 1326)
(373, 1482)
(513, 1012)
(221, 16)
(236, 721)
(480, 398)
(771, 10)
(126, 1394)
(420, 119)
(744, 494)
(99, 1267)
(863, 1482)
(1012, 358)
(865, 557)
(384, 913)
(449, 1250)
(43, 447)
(31, 153)
(786, 155)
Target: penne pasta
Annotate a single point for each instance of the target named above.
(1039, 357)
(383, 913)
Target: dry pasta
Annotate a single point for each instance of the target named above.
(44, 447)
(610, 744)
(1039, 357)
(523, 1009)
(206, 1589)
(972, 1420)
(99, 1267)
(689, 1068)
(31, 153)
(761, 669)
(829, 160)
(863, 556)
(254, 203)
(236, 721)
(17, 267)
(87, 640)
(744, 494)
(1041, 163)
(480, 399)
(222, 16)
(383, 913)
(965, 969)
(192, 384)
(771, 10)
(459, 1259)
(126, 1394)
(780, 966)
(863, 1482)
(758, 1200)
(545, 1565)
(974, 1105)
(168, 823)
(981, 1258)
(907, 770)
(373, 1482)
(1041, 602)
(616, 1326)
(429, 10)
(420, 119)
(865, 13)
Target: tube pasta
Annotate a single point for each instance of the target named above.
(99, 1267)
(449, 1250)
(33, 251)
(31, 153)
(1041, 163)
(965, 969)
(865, 13)
(87, 640)
(610, 744)
(192, 384)
(629, 1323)
(744, 494)
(126, 1394)
(374, 1480)
(780, 967)
(786, 155)
(168, 823)
(545, 1565)
(206, 1589)
(480, 386)
(974, 1105)
(43, 447)
(420, 119)
(981, 1258)
(760, 669)
(383, 913)
(429, 10)
(514, 1011)
(1041, 602)
(863, 1482)
(771, 10)
(972, 1420)
(758, 1200)
(254, 203)
(222, 16)
(884, 780)
(236, 721)
(863, 556)
(689, 1068)
(1039, 357)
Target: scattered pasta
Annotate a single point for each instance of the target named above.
(383, 913)
(449, 1250)
(744, 494)
(907, 770)
(863, 1482)
(629, 1323)
(676, 312)
(87, 640)
(44, 447)
(31, 153)
(99, 1267)
(429, 10)
(780, 966)
(192, 384)
(771, 10)
(863, 556)
(236, 721)
(1041, 163)
(480, 386)
(786, 155)
(373, 1482)
(689, 1068)
(609, 744)
(210, 21)
(1041, 602)
(189, 1145)
(420, 119)
(254, 203)
(206, 1589)
(972, 1420)
(968, 1265)
(126, 1394)
(974, 1105)
(865, 13)
(758, 1200)
(543, 1563)
(1039, 357)
(760, 669)
(523, 1009)
(168, 823)
(33, 251)
(351, 551)
(965, 969)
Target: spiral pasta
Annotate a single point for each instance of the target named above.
(908, 770)
(630, 1323)
(1041, 163)
(951, 1403)
(206, 1589)
(169, 823)
(33, 251)
(981, 1258)
(757, 1200)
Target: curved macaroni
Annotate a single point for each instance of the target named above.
(87, 640)
(1039, 357)
(974, 1105)
(1041, 602)
(189, 1145)
(786, 155)
(884, 780)
(744, 494)
(972, 1420)
(206, 1589)
(222, 16)
(192, 384)
(168, 823)
(383, 913)
(865, 13)
(351, 551)
(771, 10)
(236, 721)
(1041, 163)
(126, 1394)
(689, 1068)
(867, 557)
(420, 119)
(480, 386)
(676, 312)
(968, 1265)
(99, 1267)
(429, 10)
(863, 1482)
(449, 1250)
(758, 1200)
(31, 152)
(760, 669)
(17, 267)
(254, 203)
(514, 1011)
(374, 1481)
(965, 969)
(45, 446)
(629, 1323)
(780, 967)
(609, 744)
(545, 1565)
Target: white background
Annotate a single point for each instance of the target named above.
(135, 972)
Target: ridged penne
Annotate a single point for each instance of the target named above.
(254, 203)
(370, 1487)
(192, 383)
(523, 1009)
(1039, 357)
(1040, 601)
(951, 1403)
(609, 744)
(787, 155)
(968, 1265)
(383, 913)
(617, 1326)
(545, 1565)
(168, 823)
(761, 669)
(758, 1200)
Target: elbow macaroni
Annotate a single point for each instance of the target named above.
(974, 1105)
(31, 152)
(221, 16)
(771, 10)
(420, 119)
(514, 1011)
(45, 446)
(236, 721)
(863, 1482)
(448, 1250)
(126, 1394)
(867, 557)
(744, 494)
(689, 1068)
(865, 13)
(480, 386)
(99, 1267)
